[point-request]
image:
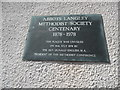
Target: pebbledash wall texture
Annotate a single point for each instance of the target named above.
(53, 74)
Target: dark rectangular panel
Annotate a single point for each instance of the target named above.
(67, 38)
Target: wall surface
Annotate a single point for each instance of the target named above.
(0, 45)
(34, 74)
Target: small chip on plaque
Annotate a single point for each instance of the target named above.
(66, 38)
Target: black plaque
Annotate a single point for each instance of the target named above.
(67, 38)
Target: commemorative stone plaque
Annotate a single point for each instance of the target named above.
(67, 38)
